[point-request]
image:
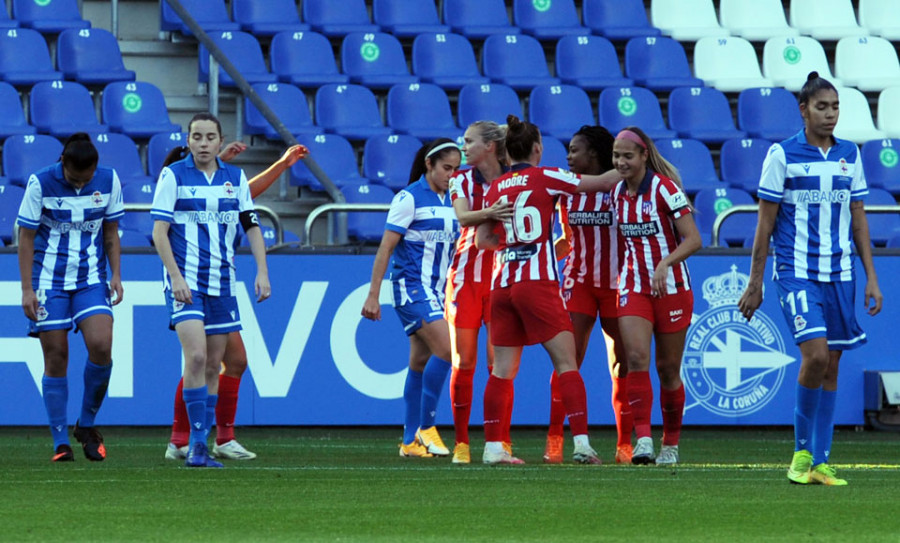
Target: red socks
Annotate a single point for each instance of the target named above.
(497, 400)
(226, 408)
(640, 396)
(622, 410)
(181, 427)
(461, 400)
(672, 403)
(557, 409)
(571, 388)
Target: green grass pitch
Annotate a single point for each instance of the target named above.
(325, 484)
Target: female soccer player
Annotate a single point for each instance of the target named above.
(235, 361)
(811, 200)
(421, 233)
(590, 279)
(68, 231)
(526, 305)
(196, 208)
(655, 298)
(469, 276)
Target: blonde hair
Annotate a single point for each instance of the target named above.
(493, 132)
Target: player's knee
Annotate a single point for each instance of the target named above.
(638, 359)
(235, 366)
(99, 352)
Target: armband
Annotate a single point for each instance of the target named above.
(249, 219)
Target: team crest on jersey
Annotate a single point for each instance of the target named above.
(177, 306)
(843, 164)
(229, 189)
(97, 198)
(647, 208)
(799, 323)
(41, 313)
(623, 299)
(732, 367)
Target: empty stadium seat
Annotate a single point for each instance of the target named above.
(477, 19)
(728, 64)
(421, 110)
(703, 114)
(289, 105)
(488, 103)
(632, 106)
(211, 15)
(589, 62)
(889, 112)
(137, 221)
(517, 61)
(91, 57)
(694, 163)
(270, 238)
(138, 193)
(880, 18)
(659, 64)
(337, 17)
(825, 19)
(159, 146)
(61, 108)
(548, 20)
(24, 155)
(119, 152)
(686, 20)
(882, 226)
(305, 59)
(25, 58)
(48, 17)
(10, 200)
(133, 239)
(758, 20)
(367, 225)
(617, 20)
(555, 153)
(244, 51)
(349, 110)
(855, 121)
(741, 160)
(374, 59)
(5, 22)
(12, 118)
(881, 162)
(787, 61)
(267, 18)
(867, 63)
(406, 19)
(559, 110)
(387, 159)
(736, 229)
(137, 109)
(768, 113)
(334, 155)
(446, 60)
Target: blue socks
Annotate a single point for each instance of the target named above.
(434, 377)
(412, 397)
(823, 429)
(211, 401)
(805, 409)
(96, 381)
(195, 401)
(56, 397)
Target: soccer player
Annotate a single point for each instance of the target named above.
(197, 205)
(421, 234)
(235, 361)
(811, 200)
(526, 304)
(590, 285)
(655, 298)
(469, 276)
(68, 231)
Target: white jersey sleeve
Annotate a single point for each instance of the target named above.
(32, 204)
(165, 196)
(116, 206)
(771, 181)
(858, 187)
(402, 212)
(245, 199)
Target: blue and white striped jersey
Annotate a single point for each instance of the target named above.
(204, 216)
(814, 188)
(429, 228)
(68, 245)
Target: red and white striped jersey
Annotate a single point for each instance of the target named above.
(469, 263)
(647, 229)
(595, 248)
(526, 240)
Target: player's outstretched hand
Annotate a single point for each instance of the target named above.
(294, 153)
(232, 150)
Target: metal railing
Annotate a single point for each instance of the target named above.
(335, 208)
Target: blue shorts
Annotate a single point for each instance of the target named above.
(219, 314)
(59, 309)
(814, 309)
(413, 314)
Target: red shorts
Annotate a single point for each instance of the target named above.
(591, 301)
(469, 305)
(671, 313)
(528, 313)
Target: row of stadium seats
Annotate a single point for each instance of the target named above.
(43, 16)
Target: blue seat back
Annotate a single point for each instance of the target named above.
(708, 203)
(10, 200)
(654, 58)
(119, 152)
(586, 56)
(443, 55)
(136, 108)
(92, 49)
(286, 101)
(513, 55)
(23, 49)
(11, 113)
(367, 225)
(487, 103)
(693, 160)
(342, 13)
(243, 50)
(560, 110)
(346, 105)
(249, 13)
(211, 15)
(533, 16)
(335, 156)
(617, 19)
(159, 146)
(138, 193)
(375, 53)
(301, 53)
(387, 159)
(881, 162)
(630, 106)
(698, 109)
(741, 162)
(32, 13)
(420, 105)
(771, 113)
(24, 155)
(555, 153)
(882, 227)
(66, 102)
(484, 17)
(391, 13)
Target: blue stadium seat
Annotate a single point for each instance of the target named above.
(446, 60)
(61, 108)
(421, 110)
(12, 118)
(548, 20)
(387, 159)
(10, 200)
(269, 237)
(47, 17)
(589, 62)
(5, 22)
(267, 18)
(211, 15)
(375, 60)
(159, 146)
(133, 238)
(305, 59)
(737, 228)
(287, 102)
(406, 19)
(138, 193)
(337, 17)
(24, 155)
(555, 153)
(334, 155)
(137, 221)
(119, 152)
(741, 160)
(517, 61)
(560, 110)
(769, 113)
(477, 19)
(694, 163)
(617, 20)
(659, 64)
(881, 162)
(882, 226)
(91, 57)
(25, 59)
(243, 50)
(487, 103)
(137, 109)
(367, 225)
(350, 111)
(703, 114)
(632, 106)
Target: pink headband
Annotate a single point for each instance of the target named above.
(632, 137)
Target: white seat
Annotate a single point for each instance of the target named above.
(788, 60)
(755, 20)
(868, 63)
(855, 121)
(686, 20)
(728, 64)
(881, 18)
(825, 19)
(889, 112)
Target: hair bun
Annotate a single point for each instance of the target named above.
(812, 75)
(512, 120)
